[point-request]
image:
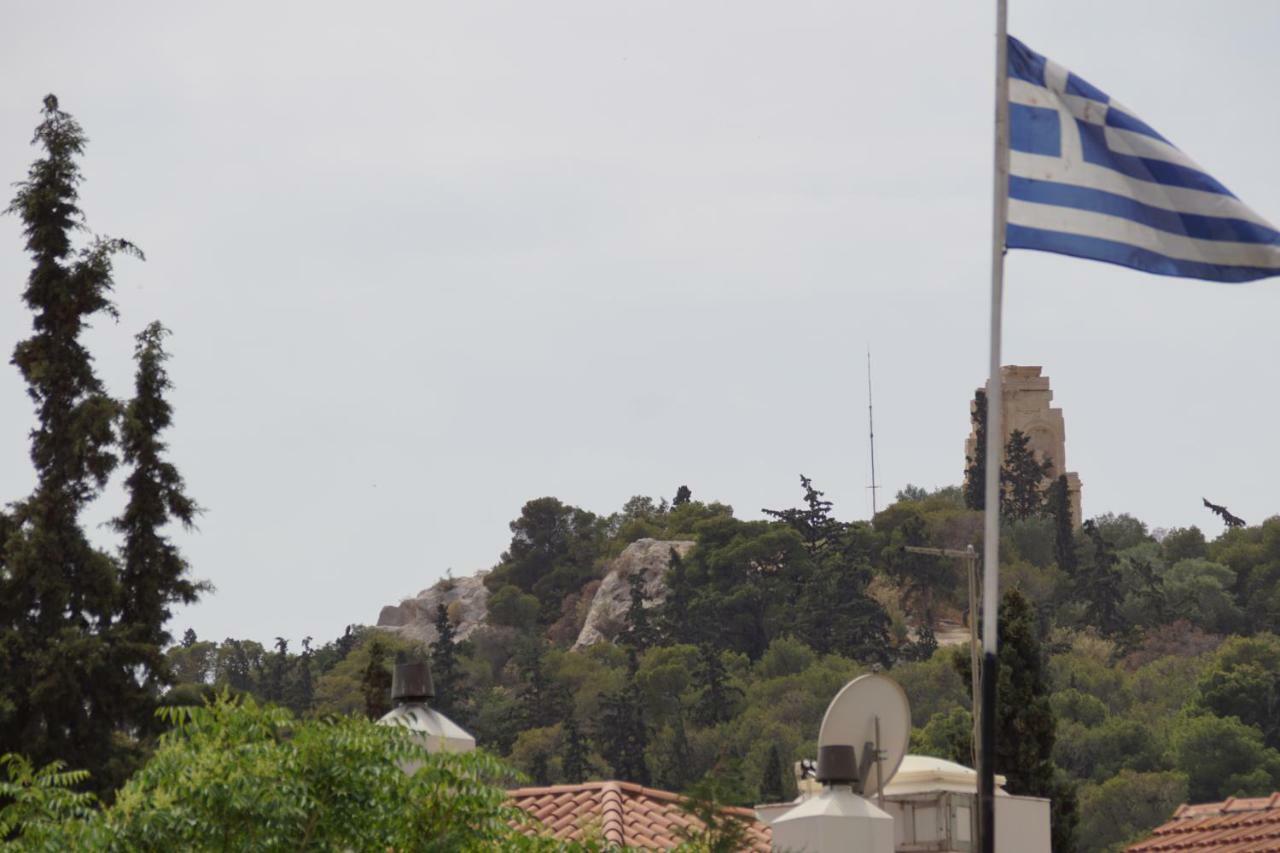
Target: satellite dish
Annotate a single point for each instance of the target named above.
(871, 714)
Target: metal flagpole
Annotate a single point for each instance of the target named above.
(995, 444)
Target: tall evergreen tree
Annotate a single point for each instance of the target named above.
(300, 693)
(446, 675)
(1022, 478)
(1064, 534)
(573, 760)
(1024, 717)
(975, 472)
(674, 624)
(683, 496)
(278, 672)
(376, 682)
(717, 696)
(1099, 584)
(622, 734)
(153, 573)
(814, 522)
(639, 633)
(772, 786)
(67, 689)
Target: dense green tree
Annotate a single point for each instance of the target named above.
(376, 682)
(948, 734)
(772, 785)
(1223, 757)
(1024, 716)
(1243, 681)
(234, 776)
(622, 734)
(640, 632)
(1022, 478)
(1184, 543)
(542, 702)
(683, 496)
(1064, 539)
(716, 696)
(300, 692)
(446, 673)
(573, 759)
(154, 575)
(552, 553)
(1126, 807)
(674, 623)
(1098, 584)
(814, 522)
(512, 608)
(69, 688)
(975, 472)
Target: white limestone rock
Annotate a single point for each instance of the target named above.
(415, 618)
(607, 616)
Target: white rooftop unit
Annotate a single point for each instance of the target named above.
(411, 687)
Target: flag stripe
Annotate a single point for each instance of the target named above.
(1174, 222)
(1089, 223)
(1094, 145)
(1114, 252)
(1171, 198)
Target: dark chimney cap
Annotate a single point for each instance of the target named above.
(412, 683)
(837, 765)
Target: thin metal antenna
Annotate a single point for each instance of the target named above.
(871, 426)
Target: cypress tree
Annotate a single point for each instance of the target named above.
(153, 573)
(376, 683)
(675, 625)
(1021, 478)
(444, 664)
(772, 788)
(640, 633)
(67, 690)
(622, 733)
(573, 761)
(975, 472)
(1064, 535)
(1098, 583)
(715, 704)
(1025, 719)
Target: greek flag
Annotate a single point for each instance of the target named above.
(1089, 178)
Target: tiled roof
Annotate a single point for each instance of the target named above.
(1235, 826)
(622, 813)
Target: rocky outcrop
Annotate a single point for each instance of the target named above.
(415, 618)
(607, 616)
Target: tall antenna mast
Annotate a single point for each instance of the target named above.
(871, 426)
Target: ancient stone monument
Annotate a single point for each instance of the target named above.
(1026, 408)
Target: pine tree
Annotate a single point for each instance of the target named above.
(573, 761)
(815, 523)
(153, 573)
(1022, 478)
(640, 633)
(376, 683)
(622, 734)
(1064, 535)
(188, 638)
(67, 688)
(445, 673)
(683, 496)
(975, 472)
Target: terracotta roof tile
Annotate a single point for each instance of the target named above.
(622, 813)
(1237, 825)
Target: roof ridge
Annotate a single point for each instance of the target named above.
(612, 814)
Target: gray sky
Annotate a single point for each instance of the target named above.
(426, 261)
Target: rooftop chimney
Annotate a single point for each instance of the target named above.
(411, 687)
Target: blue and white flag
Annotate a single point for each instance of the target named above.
(1089, 178)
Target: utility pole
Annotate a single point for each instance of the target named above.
(871, 428)
(970, 557)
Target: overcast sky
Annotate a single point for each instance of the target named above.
(425, 261)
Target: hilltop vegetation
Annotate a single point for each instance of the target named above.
(1146, 669)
